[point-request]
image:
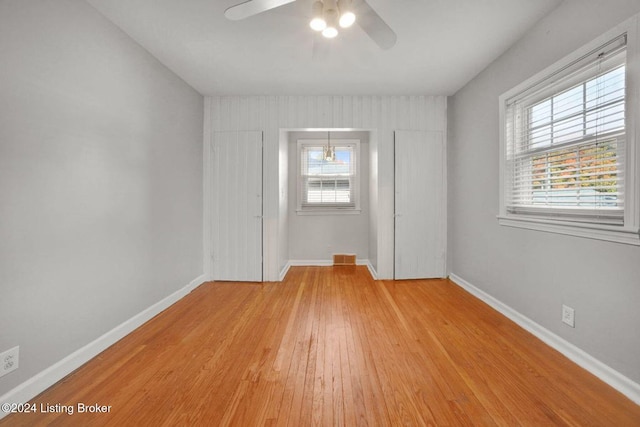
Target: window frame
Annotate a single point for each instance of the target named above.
(629, 231)
(329, 209)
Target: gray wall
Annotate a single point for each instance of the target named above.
(100, 180)
(318, 237)
(536, 272)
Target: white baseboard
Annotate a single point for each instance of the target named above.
(607, 374)
(54, 373)
(310, 263)
(372, 270)
(319, 262)
(284, 270)
(324, 263)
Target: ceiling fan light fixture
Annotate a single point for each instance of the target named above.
(331, 17)
(368, 19)
(347, 17)
(317, 20)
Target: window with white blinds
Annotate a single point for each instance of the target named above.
(328, 183)
(565, 142)
(565, 145)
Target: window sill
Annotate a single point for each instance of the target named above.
(609, 233)
(328, 211)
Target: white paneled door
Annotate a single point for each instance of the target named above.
(236, 205)
(420, 205)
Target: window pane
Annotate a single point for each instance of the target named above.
(343, 191)
(607, 119)
(328, 190)
(539, 125)
(541, 114)
(606, 88)
(540, 138)
(568, 130)
(343, 160)
(328, 182)
(564, 145)
(605, 102)
(583, 176)
(568, 103)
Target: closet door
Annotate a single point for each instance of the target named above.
(236, 159)
(420, 205)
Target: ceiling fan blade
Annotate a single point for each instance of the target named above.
(374, 26)
(253, 7)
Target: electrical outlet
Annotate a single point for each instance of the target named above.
(568, 316)
(9, 360)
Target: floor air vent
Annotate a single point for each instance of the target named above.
(344, 259)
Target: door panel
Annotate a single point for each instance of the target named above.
(237, 205)
(419, 205)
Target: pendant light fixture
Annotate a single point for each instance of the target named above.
(328, 152)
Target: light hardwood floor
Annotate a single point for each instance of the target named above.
(330, 346)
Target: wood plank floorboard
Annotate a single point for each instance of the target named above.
(329, 346)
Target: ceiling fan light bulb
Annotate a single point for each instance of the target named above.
(330, 32)
(331, 17)
(347, 19)
(317, 20)
(318, 24)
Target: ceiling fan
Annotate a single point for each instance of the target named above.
(326, 16)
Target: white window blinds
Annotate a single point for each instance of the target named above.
(328, 183)
(565, 141)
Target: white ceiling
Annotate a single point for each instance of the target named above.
(442, 44)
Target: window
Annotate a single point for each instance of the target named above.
(328, 184)
(565, 146)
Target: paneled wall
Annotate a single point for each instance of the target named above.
(272, 114)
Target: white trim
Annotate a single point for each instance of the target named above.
(310, 263)
(607, 374)
(284, 271)
(328, 211)
(320, 262)
(627, 27)
(445, 201)
(323, 263)
(590, 231)
(54, 373)
(372, 270)
(207, 135)
(319, 208)
(628, 234)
